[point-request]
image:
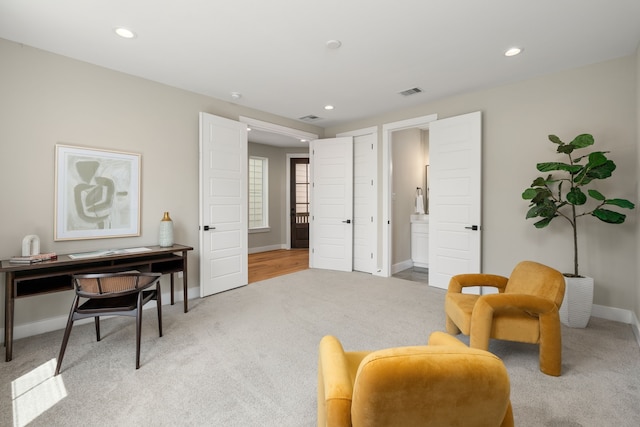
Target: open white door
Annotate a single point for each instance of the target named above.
(331, 225)
(223, 204)
(455, 159)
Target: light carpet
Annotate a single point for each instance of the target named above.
(248, 357)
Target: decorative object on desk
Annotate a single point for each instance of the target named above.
(166, 231)
(419, 201)
(30, 245)
(549, 199)
(97, 193)
(32, 259)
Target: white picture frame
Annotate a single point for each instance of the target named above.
(97, 193)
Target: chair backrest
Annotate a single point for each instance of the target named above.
(430, 386)
(112, 284)
(532, 278)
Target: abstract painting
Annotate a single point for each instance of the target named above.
(97, 193)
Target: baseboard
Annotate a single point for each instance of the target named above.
(266, 248)
(618, 315)
(401, 266)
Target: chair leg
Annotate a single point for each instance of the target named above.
(138, 329)
(67, 333)
(159, 303)
(97, 322)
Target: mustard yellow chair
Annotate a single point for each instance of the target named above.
(525, 309)
(444, 383)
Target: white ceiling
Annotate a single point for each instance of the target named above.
(274, 52)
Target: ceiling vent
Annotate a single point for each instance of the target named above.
(411, 91)
(310, 118)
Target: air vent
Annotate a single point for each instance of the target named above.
(310, 118)
(411, 91)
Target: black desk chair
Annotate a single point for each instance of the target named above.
(112, 294)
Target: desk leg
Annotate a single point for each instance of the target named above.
(184, 281)
(171, 288)
(9, 304)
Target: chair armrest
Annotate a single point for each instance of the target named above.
(460, 281)
(444, 339)
(334, 369)
(336, 375)
(529, 303)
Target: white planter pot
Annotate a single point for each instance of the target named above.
(575, 310)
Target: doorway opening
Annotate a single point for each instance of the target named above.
(388, 196)
(269, 250)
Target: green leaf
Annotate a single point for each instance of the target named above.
(555, 139)
(575, 196)
(621, 203)
(596, 195)
(557, 166)
(565, 149)
(529, 193)
(543, 223)
(608, 216)
(539, 182)
(583, 140)
(596, 158)
(602, 171)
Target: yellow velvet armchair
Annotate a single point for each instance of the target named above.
(525, 309)
(444, 383)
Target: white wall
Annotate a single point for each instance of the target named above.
(598, 99)
(47, 99)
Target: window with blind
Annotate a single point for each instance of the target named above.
(258, 192)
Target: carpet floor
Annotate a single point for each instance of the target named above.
(248, 357)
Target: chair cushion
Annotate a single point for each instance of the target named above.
(459, 308)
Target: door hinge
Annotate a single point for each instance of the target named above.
(371, 219)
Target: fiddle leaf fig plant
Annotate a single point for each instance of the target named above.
(562, 193)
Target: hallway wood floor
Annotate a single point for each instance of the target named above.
(265, 265)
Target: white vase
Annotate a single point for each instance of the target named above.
(166, 231)
(575, 310)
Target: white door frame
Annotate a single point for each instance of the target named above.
(290, 132)
(387, 176)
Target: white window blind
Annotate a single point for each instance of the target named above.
(258, 192)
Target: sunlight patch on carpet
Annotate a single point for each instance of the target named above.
(35, 392)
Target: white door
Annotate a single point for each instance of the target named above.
(364, 202)
(454, 198)
(223, 204)
(331, 225)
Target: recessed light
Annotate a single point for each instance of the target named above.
(328, 107)
(236, 95)
(334, 44)
(513, 51)
(125, 33)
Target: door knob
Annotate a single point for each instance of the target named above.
(473, 227)
(207, 228)
(347, 221)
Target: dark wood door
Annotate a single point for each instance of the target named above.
(299, 202)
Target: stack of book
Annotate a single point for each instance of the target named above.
(31, 259)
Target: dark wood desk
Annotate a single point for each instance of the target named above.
(25, 280)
